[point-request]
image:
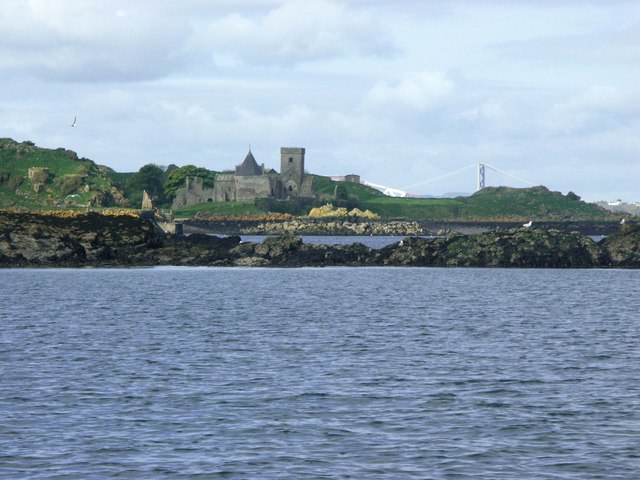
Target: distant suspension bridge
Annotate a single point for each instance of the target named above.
(481, 169)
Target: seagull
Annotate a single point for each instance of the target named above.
(528, 224)
(74, 122)
(622, 222)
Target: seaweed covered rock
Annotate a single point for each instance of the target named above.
(624, 246)
(516, 247)
(521, 247)
(70, 237)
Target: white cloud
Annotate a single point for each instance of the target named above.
(295, 32)
(491, 111)
(596, 109)
(416, 91)
(89, 41)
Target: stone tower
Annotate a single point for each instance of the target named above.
(291, 169)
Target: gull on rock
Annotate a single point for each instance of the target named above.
(528, 224)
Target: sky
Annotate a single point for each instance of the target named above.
(407, 94)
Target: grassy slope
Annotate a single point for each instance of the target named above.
(17, 158)
(493, 202)
(219, 208)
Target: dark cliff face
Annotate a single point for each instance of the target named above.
(28, 239)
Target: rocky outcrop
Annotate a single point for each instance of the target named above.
(624, 246)
(310, 226)
(92, 239)
(500, 248)
(64, 238)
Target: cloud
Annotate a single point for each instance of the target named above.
(296, 32)
(417, 91)
(491, 111)
(601, 46)
(89, 41)
(596, 109)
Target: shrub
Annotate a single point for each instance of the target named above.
(69, 183)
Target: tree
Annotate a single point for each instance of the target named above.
(573, 196)
(150, 177)
(176, 178)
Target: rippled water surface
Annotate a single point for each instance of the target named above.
(319, 373)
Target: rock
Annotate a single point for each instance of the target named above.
(77, 239)
(624, 246)
(252, 262)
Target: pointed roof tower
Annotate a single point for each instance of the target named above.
(249, 167)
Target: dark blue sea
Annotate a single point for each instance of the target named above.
(361, 373)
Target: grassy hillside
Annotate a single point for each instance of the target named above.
(71, 181)
(491, 202)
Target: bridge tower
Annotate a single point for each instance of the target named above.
(480, 176)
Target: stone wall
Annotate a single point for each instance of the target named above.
(250, 188)
(225, 188)
(192, 193)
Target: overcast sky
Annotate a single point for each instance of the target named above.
(401, 92)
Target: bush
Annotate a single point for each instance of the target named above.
(69, 183)
(573, 196)
(13, 182)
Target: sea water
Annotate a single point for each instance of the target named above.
(377, 373)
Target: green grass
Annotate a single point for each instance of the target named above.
(535, 202)
(417, 208)
(219, 208)
(326, 186)
(15, 161)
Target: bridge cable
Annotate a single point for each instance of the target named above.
(508, 175)
(438, 178)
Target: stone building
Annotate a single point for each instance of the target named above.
(250, 181)
(193, 192)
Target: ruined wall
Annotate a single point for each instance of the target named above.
(192, 193)
(250, 188)
(225, 187)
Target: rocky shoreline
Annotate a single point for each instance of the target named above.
(97, 240)
(306, 226)
(362, 226)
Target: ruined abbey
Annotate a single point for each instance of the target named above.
(250, 181)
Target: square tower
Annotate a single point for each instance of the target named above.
(292, 168)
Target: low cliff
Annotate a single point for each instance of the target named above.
(28, 239)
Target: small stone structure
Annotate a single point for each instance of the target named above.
(38, 176)
(353, 178)
(147, 203)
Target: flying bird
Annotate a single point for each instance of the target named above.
(73, 124)
(528, 224)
